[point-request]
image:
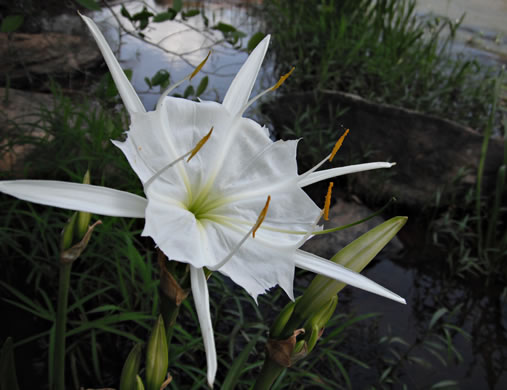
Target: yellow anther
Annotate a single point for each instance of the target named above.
(327, 202)
(261, 217)
(200, 144)
(282, 79)
(199, 67)
(338, 145)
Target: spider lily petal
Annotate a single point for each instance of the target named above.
(75, 196)
(126, 90)
(201, 298)
(313, 263)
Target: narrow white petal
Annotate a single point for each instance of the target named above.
(75, 196)
(126, 90)
(334, 172)
(201, 300)
(310, 262)
(241, 87)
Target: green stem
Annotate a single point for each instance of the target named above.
(60, 327)
(270, 371)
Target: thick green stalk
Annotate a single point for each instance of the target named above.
(60, 326)
(270, 371)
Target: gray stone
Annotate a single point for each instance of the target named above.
(430, 152)
(30, 55)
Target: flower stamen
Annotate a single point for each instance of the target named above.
(200, 144)
(254, 228)
(327, 202)
(338, 145)
(261, 217)
(173, 87)
(199, 67)
(276, 86)
(282, 79)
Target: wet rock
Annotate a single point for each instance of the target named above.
(20, 116)
(430, 152)
(344, 213)
(25, 56)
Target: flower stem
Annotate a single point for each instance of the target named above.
(270, 371)
(60, 326)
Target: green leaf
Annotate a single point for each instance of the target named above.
(189, 91)
(438, 314)
(8, 379)
(164, 16)
(148, 81)
(446, 384)
(160, 77)
(92, 5)
(203, 84)
(224, 28)
(125, 13)
(254, 41)
(190, 13)
(142, 15)
(11, 23)
(237, 367)
(177, 5)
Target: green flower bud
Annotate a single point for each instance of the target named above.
(130, 369)
(354, 256)
(83, 219)
(281, 320)
(139, 383)
(157, 356)
(67, 239)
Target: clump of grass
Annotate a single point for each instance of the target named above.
(381, 51)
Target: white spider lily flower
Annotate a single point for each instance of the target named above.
(205, 210)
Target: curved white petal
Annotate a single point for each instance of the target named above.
(334, 172)
(126, 90)
(257, 266)
(241, 87)
(75, 196)
(310, 262)
(201, 300)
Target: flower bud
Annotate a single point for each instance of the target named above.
(139, 383)
(354, 256)
(130, 369)
(67, 239)
(157, 356)
(281, 320)
(83, 219)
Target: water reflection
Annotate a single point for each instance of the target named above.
(183, 45)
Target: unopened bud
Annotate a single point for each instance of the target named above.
(281, 320)
(128, 379)
(68, 233)
(83, 219)
(157, 356)
(139, 383)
